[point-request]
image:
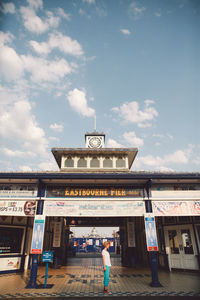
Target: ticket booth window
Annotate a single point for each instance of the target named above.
(11, 240)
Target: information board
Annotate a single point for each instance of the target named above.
(47, 256)
(150, 230)
(38, 234)
(94, 208)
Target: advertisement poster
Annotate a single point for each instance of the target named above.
(131, 234)
(151, 234)
(38, 234)
(94, 208)
(56, 234)
(18, 208)
(176, 208)
(10, 263)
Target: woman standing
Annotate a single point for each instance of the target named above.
(106, 265)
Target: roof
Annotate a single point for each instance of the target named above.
(99, 178)
(59, 152)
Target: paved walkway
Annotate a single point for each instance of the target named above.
(84, 277)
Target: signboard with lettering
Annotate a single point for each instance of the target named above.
(47, 256)
(94, 208)
(74, 192)
(13, 191)
(151, 234)
(176, 208)
(18, 208)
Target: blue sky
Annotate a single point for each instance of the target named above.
(133, 64)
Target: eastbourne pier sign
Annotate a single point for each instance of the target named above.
(94, 192)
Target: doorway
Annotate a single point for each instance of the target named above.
(180, 247)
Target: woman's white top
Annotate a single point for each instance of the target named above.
(106, 255)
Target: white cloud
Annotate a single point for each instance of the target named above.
(17, 123)
(63, 14)
(165, 163)
(158, 14)
(54, 139)
(48, 165)
(8, 7)
(11, 66)
(35, 4)
(78, 102)
(89, 1)
(34, 23)
(136, 10)
(125, 31)
(114, 144)
(40, 48)
(17, 153)
(56, 127)
(197, 161)
(132, 139)
(46, 70)
(58, 41)
(25, 169)
(65, 44)
(131, 112)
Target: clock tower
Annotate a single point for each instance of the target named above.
(94, 140)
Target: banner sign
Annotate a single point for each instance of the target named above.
(56, 234)
(150, 230)
(18, 208)
(70, 192)
(38, 234)
(131, 234)
(176, 208)
(94, 208)
(14, 191)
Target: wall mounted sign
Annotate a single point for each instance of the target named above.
(70, 192)
(94, 208)
(38, 234)
(13, 191)
(56, 234)
(18, 208)
(131, 234)
(176, 208)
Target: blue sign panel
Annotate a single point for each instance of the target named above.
(151, 235)
(47, 256)
(38, 234)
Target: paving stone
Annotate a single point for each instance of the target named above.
(84, 277)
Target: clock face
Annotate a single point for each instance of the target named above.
(95, 142)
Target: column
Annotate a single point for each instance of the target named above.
(154, 266)
(32, 283)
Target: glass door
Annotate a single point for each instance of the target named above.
(180, 247)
